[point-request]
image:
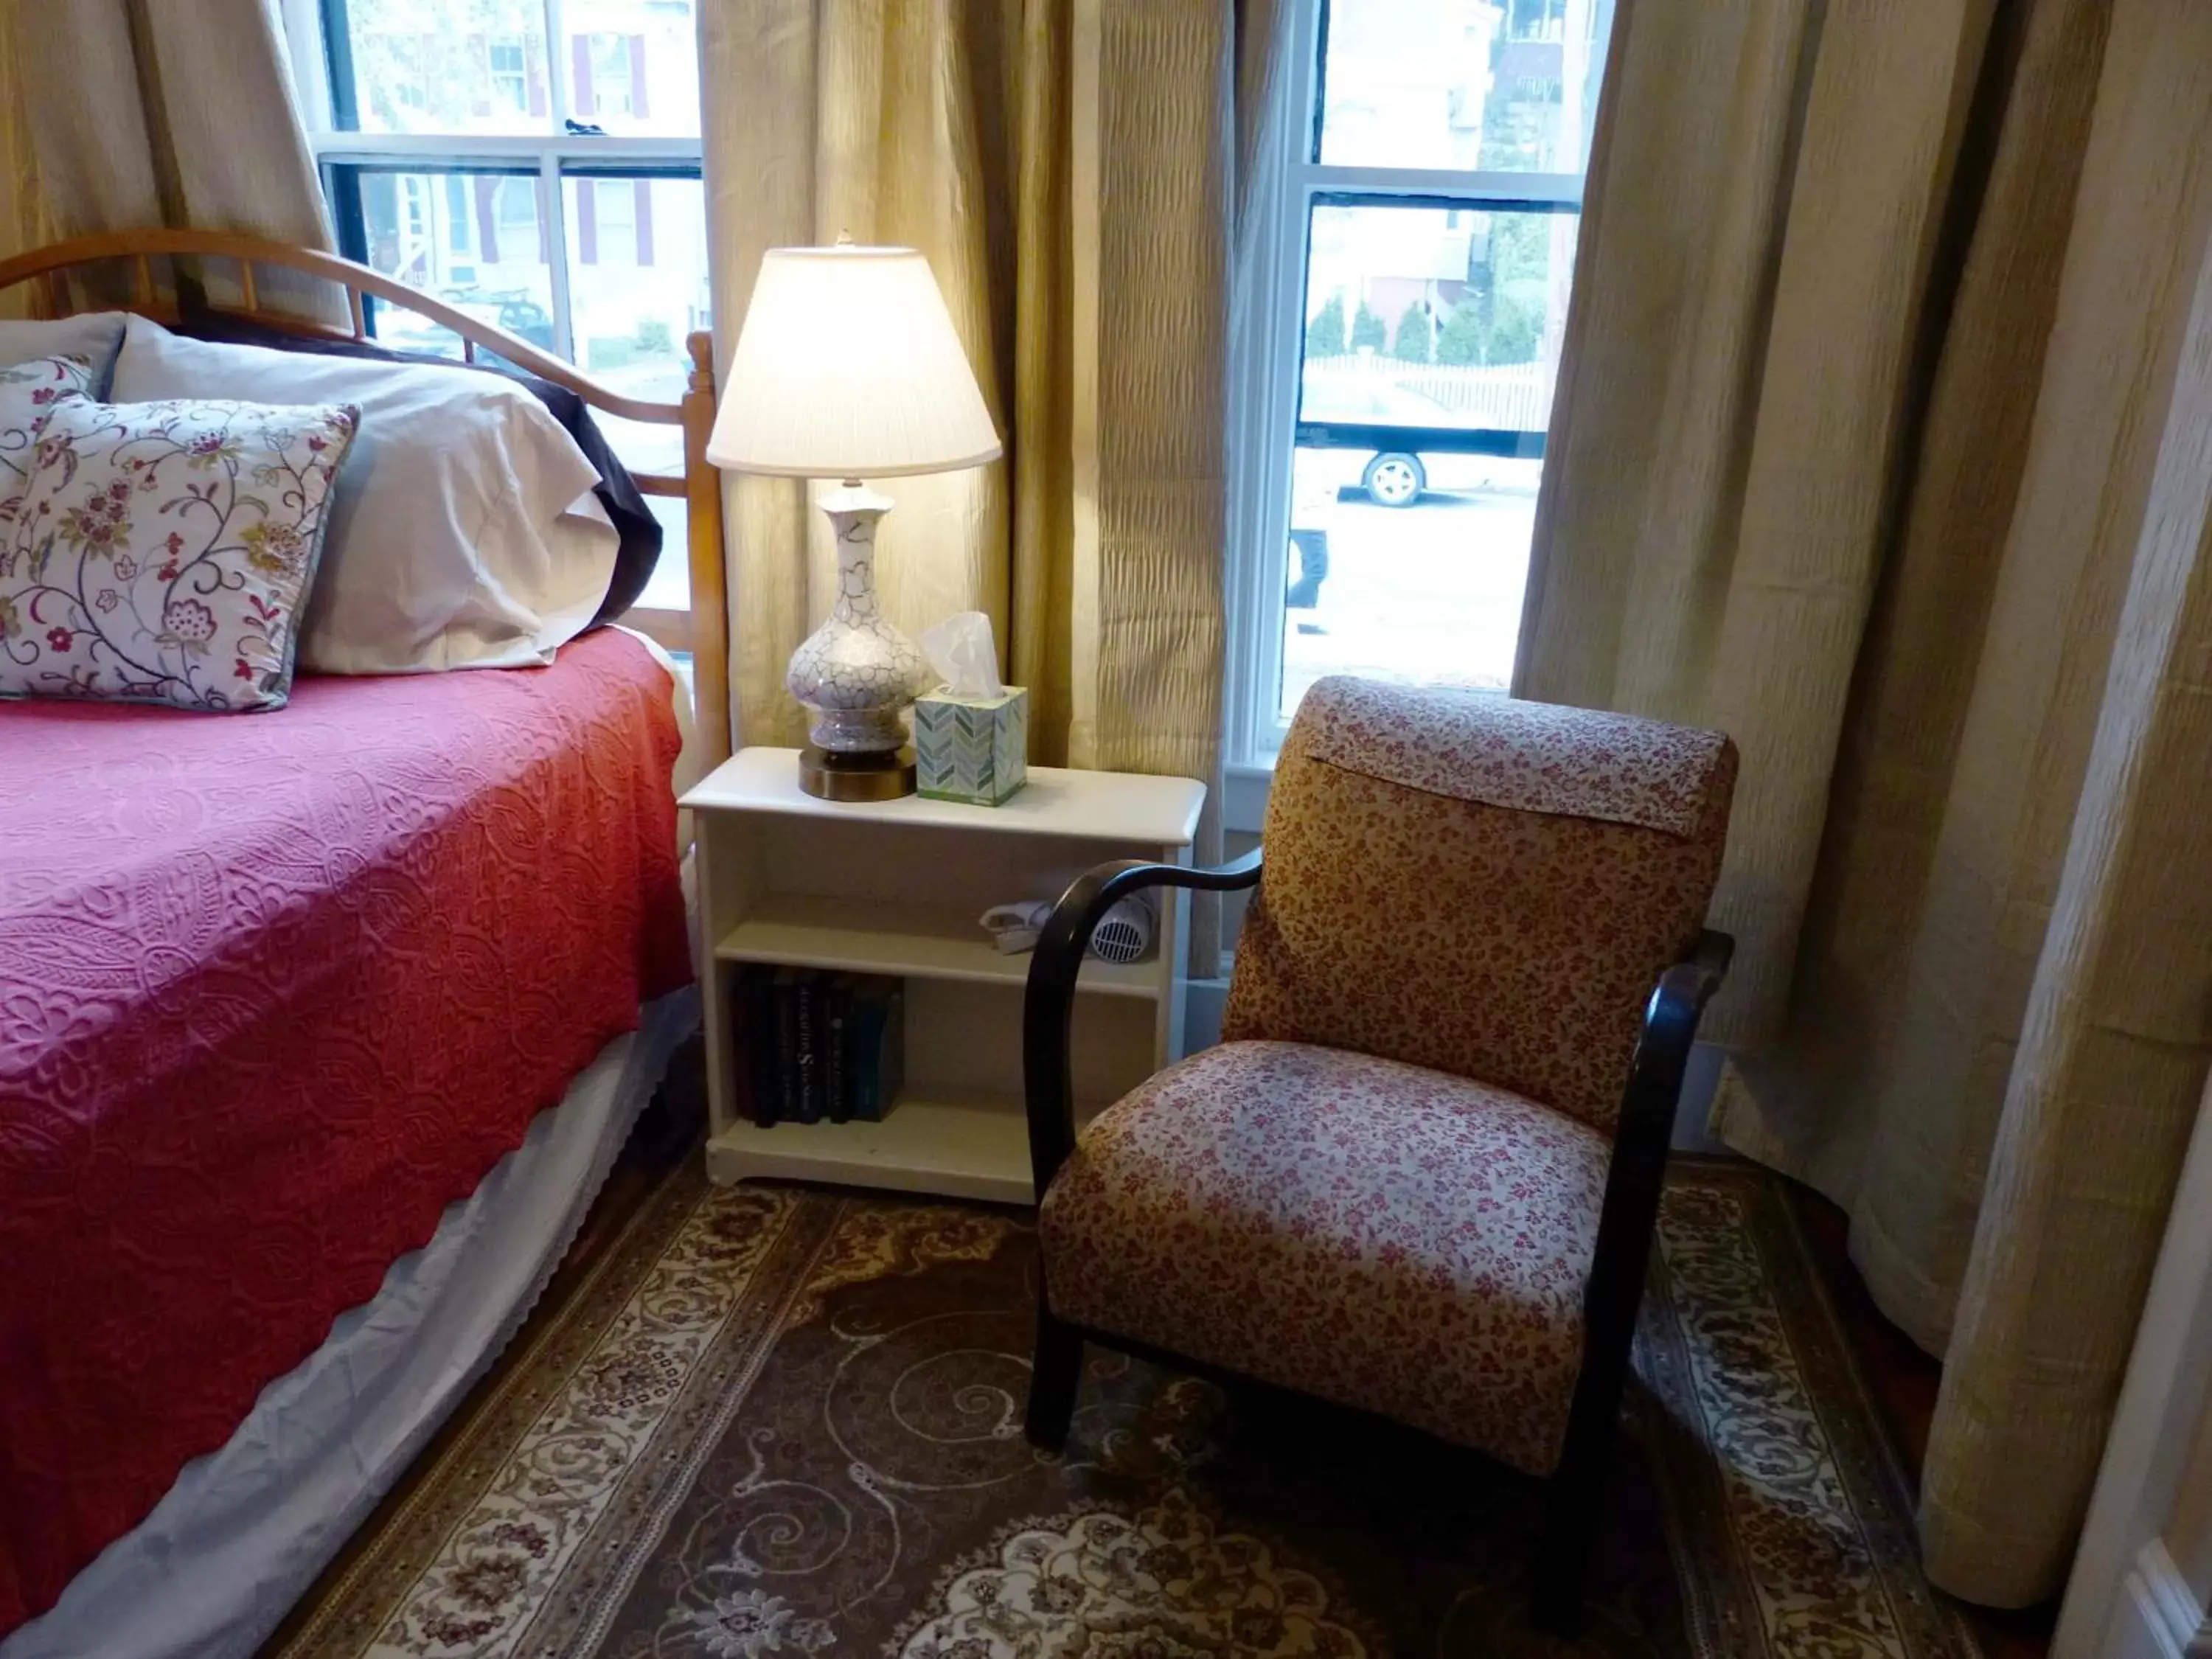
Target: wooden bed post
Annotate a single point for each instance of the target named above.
(702, 482)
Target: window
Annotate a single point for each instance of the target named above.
(510, 78)
(517, 218)
(1421, 256)
(605, 86)
(459, 220)
(446, 132)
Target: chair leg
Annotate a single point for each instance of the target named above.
(1055, 1372)
(1561, 1571)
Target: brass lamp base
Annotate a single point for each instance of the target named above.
(873, 774)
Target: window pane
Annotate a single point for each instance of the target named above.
(1469, 85)
(438, 66)
(637, 286)
(1448, 318)
(632, 66)
(475, 240)
(1428, 594)
(1409, 552)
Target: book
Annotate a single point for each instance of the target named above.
(787, 1043)
(745, 1099)
(890, 1051)
(807, 1052)
(876, 1041)
(818, 1047)
(753, 1019)
(837, 1046)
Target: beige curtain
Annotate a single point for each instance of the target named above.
(1678, 568)
(133, 114)
(22, 208)
(1869, 430)
(1068, 166)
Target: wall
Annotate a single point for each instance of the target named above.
(2189, 1535)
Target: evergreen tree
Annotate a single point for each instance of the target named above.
(1462, 338)
(1367, 330)
(1412, 341)
(1515, 330)
(1520, 266)
(1520, 248)
(1325, 329)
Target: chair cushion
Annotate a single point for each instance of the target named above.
(1378, 1234)
(1482, 885)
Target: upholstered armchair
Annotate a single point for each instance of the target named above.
(1421, 1174)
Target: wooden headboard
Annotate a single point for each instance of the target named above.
(704, 633)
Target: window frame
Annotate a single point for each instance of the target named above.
(1268, 382)
(320, 47)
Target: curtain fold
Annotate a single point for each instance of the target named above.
(140, 114)
(1915, 933)
(1068, 166)
(1916, 523)
(23, 206)
(2113, 1051)
(1716, 566)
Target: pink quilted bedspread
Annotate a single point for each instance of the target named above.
(274, 990)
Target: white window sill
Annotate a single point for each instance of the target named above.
(1244, 790)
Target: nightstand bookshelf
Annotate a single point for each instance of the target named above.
(896, 887)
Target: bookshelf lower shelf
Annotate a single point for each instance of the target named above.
(975, 1148)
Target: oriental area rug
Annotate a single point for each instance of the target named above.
(778, 1422)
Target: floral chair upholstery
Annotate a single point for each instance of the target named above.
(1418, 1176)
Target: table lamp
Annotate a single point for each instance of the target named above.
(849, 367)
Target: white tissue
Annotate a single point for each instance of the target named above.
(960, 649)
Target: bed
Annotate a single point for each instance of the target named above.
(318, 1030)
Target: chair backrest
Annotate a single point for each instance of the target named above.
(1479, 885)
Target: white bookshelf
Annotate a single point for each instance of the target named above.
(895, 888)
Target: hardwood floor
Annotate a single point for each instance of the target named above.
(1904, 1381)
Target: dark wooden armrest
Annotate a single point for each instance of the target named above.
(1049, 1001)
(1626, 1221)
(1635, 1178)
(1646, 1125)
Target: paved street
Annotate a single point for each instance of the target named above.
(1431, 592)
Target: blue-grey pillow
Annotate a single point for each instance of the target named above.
(95, 336)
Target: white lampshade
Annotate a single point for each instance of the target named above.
(847, 367)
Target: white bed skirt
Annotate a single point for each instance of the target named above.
(216, 1566)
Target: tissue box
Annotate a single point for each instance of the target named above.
(972, 749)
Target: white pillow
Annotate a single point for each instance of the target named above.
(93, 336)
(463, 533)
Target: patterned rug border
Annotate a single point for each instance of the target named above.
(631, 1529)
(1850, 1419)
(1881, 1463)
(486, 1431)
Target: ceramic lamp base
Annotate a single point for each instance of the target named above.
(871, 775)
(856, 672)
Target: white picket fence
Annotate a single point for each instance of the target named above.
(1511, 396)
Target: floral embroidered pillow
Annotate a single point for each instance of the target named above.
(28, 393)
(161, 552)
